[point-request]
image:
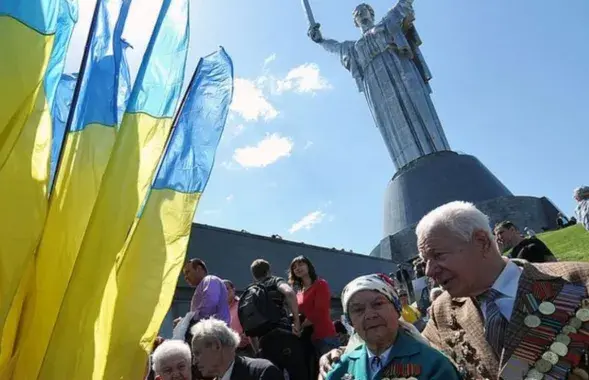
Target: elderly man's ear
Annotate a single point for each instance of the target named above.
(481, 238)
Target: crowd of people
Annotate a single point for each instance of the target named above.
(487, 316)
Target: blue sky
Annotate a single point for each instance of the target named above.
(301, 156)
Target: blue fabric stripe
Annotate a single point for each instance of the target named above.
(59, 114)
(66, 20)
(40, 15)
(104, 88)
(159, 80)
(190, 154)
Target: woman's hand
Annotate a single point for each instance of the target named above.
(327, 361)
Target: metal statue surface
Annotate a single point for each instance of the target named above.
(389, 69)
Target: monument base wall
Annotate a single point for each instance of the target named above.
(533, 212)
(435, 179)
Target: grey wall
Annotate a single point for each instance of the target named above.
(229, 254)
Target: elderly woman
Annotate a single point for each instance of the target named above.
(213, 348)
(171, 361)
(372, 307)
(582, 210)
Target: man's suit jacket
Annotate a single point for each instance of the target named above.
(457, 327)
(255, 369)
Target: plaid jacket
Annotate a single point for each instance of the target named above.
(456, 326)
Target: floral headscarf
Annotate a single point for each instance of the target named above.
(378, 282)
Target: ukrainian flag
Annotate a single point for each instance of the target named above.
(147, 275)
(34, 41)
(86, 151)
(79, 329)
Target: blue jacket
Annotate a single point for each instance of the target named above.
(406, 350)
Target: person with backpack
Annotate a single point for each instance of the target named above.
(264, 318)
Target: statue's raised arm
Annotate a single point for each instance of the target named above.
(330, 45)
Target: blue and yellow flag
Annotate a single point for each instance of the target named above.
(34, 42)
(147, 275)
(82, 324)
(86, 151)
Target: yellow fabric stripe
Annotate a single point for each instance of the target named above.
(146, 280)
(23, 60)
(23, 201)
(86, 154)
(138, 148)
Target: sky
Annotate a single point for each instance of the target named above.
(301, 157)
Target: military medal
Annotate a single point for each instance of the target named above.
(559, 349)
(550, 357)
(534, 374)
(582, 315)
(564, 339)
(543, 366)
(532, 321)
(547, 308)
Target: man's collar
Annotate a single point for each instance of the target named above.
(529, 273)
(508, 280)
(227, 374)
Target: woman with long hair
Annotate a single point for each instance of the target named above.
(314, 300)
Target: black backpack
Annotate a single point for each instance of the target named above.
(257, 311)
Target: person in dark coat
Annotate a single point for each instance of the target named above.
(213, 349)
(531, 249)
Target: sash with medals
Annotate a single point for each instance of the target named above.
(401, 372)
(555, 344)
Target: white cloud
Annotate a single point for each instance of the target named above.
(271, 58)
(303, 79)
(250, 103)
(265, 152)
(229, 198)
(308, 145)
(307, 222)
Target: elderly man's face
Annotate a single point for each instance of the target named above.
(208, 357)
(373, 316)
(175, 367)
(454, 263)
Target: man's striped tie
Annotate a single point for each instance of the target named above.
(495, 323)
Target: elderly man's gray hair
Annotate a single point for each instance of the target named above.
(211, 330)
(460, 218)
(170, 349)
(581, 193)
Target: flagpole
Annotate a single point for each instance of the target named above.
(75, 97)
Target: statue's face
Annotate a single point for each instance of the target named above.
(363, 16)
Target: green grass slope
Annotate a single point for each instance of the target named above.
(568, 244)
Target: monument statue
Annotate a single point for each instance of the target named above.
(389, 69)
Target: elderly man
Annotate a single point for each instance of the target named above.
(171, 361)
(500, 318)
(213, 348)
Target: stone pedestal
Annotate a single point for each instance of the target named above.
(442, 177)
